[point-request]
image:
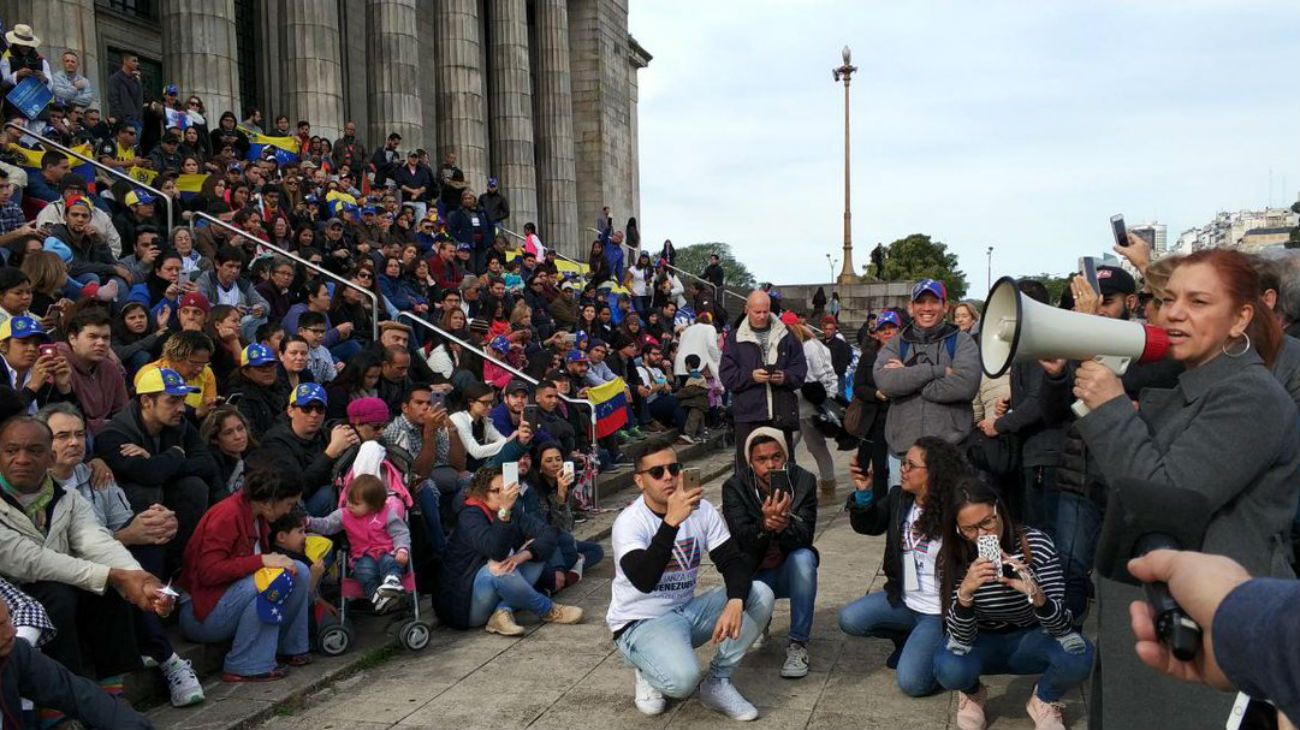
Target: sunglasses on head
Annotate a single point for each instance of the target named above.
(657, 472)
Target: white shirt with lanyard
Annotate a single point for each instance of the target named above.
(920, 559)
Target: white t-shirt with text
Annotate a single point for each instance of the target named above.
(923, 556)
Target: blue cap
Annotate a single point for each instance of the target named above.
(576, 355)
(237, 167)
(307, 394)
(465, 247)
(313, 199)
(256, 355)
(930, 286)
(368, 210)
(172, 90)
(58, 247)
(500, 343)
(492, 182)
(21, 327)
(888, 317)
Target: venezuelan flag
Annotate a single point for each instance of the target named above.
(30, 160)
(610, 400)
(190, 185)
(286, 148)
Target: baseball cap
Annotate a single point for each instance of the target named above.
(597, 343)
(930, 286)
(21, 328)
(163, 380)
(576, 355)
(306, 394)
(273, 588)
(318, 547)
(195, 299)
(828, 319)
(888, 317)
(373, 411)
(789, 317)
(500, 343)
(256, 355)
(492, 182)
(517, 385)
(172, 90)
(138, 197)
(1114, 280)
(333, 222)
(368, 210)
(57, 247)
(465, 247)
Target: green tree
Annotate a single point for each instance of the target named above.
(1294, 240)
(1056, 285)
(919, 257)
(695, 258)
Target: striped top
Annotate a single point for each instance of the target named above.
(998, 607)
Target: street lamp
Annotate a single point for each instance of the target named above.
(988, 283)
(831, 263)
(845, 72)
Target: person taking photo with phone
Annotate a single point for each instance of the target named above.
(763, 367)
(1002, 591)
(771, 511)
(659, 542)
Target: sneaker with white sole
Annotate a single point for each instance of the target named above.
(720, 695)
(649, 700)
(182, 683)
(763, 636)
(796, 661)
(392, 586)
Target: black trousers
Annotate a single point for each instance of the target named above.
(187, 497)
(150, 636)
(95, 635)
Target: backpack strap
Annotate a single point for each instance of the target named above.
(950, 342)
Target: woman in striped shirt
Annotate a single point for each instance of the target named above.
(1004, 619)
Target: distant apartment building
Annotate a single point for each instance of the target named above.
(1246, 229)
(1155, 234)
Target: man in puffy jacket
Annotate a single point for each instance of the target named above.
(930, 372)
(763, 367)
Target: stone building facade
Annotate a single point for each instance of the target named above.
(541, 94)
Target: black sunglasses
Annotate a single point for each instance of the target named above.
(657, 472)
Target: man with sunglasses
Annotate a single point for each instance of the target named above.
(302, 440)
(656, 617)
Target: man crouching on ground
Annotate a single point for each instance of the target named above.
(654, 613)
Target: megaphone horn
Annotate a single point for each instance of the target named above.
(1016, 328)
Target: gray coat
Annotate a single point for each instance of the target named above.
(1287, 367)
(1228, 431)
(924, 400)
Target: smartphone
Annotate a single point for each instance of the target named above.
(568, 468)
(690, 478)
(1119, 230)
(989, 548)
(510, 473)
(437, 399)
(48, 350)
(864, 455)
(780, 481)
(1088, 267)
(533, 415)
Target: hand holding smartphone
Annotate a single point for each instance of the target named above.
(510, 473)
(1119, 230)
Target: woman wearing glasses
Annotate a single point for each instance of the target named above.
(1004, 617)
(908, 612)
(484, 444)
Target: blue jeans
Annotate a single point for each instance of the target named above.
(430, 500)
(1029, 651)
(371, 571)
(509, 592)
(920, 635)
(344, 350)
(256, 643)
(665, 410)
(663, 648)
(796, 579)
(566, 554)
(1078, 523)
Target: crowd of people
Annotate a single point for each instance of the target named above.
(305, 338)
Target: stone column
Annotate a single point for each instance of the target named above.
(557, 172)
(64, 25)
(392, 51)
(512, 111)
(199, 52)
(462, 111)
(309, 66)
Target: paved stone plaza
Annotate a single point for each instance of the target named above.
(572, 677)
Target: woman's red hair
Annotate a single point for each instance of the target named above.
(1241, 281)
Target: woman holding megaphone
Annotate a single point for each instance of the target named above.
(1227, 430)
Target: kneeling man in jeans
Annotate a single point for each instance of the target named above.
(657, 619)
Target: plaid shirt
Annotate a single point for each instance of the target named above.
(408, 436)
(11, 217)
(26, 611)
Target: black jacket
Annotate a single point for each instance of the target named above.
(841, 354)
(28, 673)
(478, 538)
(885, 516)
(743, 512)
(263, 407)
(1040, 440)
(165, 462)
(308, 454)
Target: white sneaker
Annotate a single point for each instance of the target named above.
(721, 695)
(392, 586)
(649, 700)
(762, 638)
(181, 682)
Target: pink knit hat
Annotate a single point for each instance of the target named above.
(371, 411)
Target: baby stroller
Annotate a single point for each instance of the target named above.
(334, 632)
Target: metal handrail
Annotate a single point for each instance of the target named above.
(576, 262)
(374, 298)
(595, 493)
(98, 166)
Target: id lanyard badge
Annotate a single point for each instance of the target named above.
(911, 561)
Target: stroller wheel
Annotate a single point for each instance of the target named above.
(414, 635)
(334, 639)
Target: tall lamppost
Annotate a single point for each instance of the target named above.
(988, 282)
(845, 72)
(831, 263)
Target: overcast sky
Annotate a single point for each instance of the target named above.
(1021, 125)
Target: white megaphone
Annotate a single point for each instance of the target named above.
(1015, 329)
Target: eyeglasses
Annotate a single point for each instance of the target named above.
(486, 401)
(988, 524)
(909, 465)
(365, 275)
(657, 471)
